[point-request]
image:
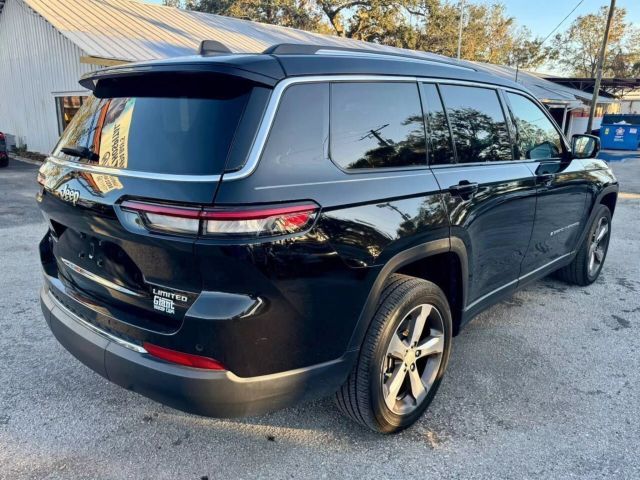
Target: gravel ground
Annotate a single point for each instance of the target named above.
(546, 384)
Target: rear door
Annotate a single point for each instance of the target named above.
(490, 197)
(159, 144)
(562, 187)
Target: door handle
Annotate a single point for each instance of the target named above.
(464, 189)
(545, 178)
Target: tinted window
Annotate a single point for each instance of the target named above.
(478, 124)
(440, 150)
(299, 133)
(80, 129)
(376, 125)
(536, 137)
(178, 135)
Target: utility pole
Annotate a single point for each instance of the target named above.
(460, 28)
(603, 49)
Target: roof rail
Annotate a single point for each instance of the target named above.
(210, 47)
(307, 49)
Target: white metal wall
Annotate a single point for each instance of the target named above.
(35, 62)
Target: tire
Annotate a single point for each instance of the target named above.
(580, 271)
(4, 162)
(369, 396)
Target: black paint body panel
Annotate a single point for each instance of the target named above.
(263, 306)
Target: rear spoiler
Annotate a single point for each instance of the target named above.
(259, 69)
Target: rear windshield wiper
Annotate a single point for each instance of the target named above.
(80, 152)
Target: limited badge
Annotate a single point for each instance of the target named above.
(164, 301)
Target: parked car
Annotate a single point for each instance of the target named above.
(232, 234)
(4, 156)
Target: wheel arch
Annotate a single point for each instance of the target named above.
(609, 199)
(422, 261)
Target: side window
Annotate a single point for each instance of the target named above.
(300, 129)
(536, 137)
(440, 148)
(376, 125)
(478, 123)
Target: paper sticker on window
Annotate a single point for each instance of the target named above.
(114, 140)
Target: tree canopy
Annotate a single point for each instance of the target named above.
(579, 46)
(489, 33)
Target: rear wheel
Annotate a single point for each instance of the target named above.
(589, 260)
(403, 357)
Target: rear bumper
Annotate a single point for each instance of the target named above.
(203, 392)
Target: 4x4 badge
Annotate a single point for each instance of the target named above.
(68, 195)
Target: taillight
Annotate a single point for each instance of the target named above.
(1, 136)
(239, 221)
(166, 218)
(268, 221)
(180, 358)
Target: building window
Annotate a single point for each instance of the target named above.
(66, 108)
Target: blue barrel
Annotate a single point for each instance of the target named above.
(620, 136)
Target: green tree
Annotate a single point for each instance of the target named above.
(578, 47)
(287, 13)
(489, 34)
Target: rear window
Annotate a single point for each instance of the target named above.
(162, 134)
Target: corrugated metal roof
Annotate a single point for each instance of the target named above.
(134, 31)
(543, 89)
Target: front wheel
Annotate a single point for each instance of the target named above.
(402, 359)
(589, 260)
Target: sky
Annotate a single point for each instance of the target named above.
(528, 12)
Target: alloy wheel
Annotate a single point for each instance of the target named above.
(598, 246)
(413, 359)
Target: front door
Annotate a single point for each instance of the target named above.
(490, 198)
(561, 183)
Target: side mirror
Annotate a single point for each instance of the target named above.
(585, 146)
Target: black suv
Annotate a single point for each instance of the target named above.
(233, 233)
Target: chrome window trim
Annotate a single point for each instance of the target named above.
(118, 172)
(274, 101)
(266, 123)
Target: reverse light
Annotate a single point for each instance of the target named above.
(181, 358)
(241, 221)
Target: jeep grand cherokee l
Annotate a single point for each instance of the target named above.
(234, 233)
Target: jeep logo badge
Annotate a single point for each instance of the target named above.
(68, 195)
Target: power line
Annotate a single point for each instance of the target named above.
(558, 26)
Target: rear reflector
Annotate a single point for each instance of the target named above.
(180, 358)
(249, 221)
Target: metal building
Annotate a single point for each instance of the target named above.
(46, 45)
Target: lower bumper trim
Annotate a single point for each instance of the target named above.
(199, 391)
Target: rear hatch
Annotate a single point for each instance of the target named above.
(160, 139)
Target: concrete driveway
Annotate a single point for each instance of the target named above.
(546, 384)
